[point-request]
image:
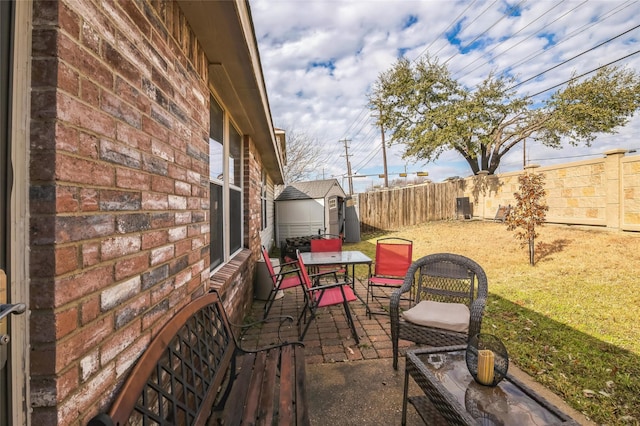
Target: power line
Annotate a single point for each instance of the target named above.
(572, 58)
(533, 34)
(512, 8)
(583, 74)
(573, 34)
(444, 32)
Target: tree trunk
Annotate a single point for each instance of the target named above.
(532, 259)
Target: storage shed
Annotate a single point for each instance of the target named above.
(309, 208)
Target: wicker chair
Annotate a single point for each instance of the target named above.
(444, 278)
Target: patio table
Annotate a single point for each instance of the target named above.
(345, 257)
(451, 395)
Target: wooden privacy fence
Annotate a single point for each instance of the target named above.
(395, 208)
(601, 192)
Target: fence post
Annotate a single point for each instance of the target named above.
(612, 173)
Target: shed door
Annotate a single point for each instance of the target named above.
(336, 215)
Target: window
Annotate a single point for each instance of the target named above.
(225, 184)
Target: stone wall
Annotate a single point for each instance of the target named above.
(599, 192)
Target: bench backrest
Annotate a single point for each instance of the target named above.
(181, 370)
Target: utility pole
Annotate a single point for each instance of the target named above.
(384, 157)
(346, 154)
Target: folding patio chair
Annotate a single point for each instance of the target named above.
(286, 278)
(327, 243)
(325, 295)
(393, 258)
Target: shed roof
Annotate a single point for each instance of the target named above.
(314, 189)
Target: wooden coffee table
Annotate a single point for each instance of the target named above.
(451, 395)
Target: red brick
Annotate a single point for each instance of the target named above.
(114, 106)
(88, 145)
(152, 201)
(182, 247)
(155, 129)
(177, 172)
(68, 79)
(89, 310)
(91, 39)
(66, 259)
(131, 266)
(67, 383)
(89, 65)
(154, 314)
(74, 346)
(183, 160)
(69, 21)
(129, 356)
(66, 322)
(133, 137)
(132, 179)
(132, 95)
(90, 254)
(89, 91)
(82, 115)
(112, 248)
(161, 291)
(89, 200)
(82, 400)
(182, 188)
(118, 341)
(154, 239)
(72, 288)
(162, 184)
(76, 170)
(163, 150)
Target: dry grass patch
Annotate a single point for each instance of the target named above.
(571, 321)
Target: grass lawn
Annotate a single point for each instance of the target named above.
(570, 321)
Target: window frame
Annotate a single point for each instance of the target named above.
(224, 182)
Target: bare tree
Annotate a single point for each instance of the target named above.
(304, 156)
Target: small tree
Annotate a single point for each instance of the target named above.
(529, 212)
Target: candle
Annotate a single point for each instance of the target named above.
(485, 366)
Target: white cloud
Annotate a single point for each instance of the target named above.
(321, 57)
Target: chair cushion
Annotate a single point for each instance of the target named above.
(448, 316)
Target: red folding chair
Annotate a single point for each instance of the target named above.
(393, 258)
(326, 244)
(325, 295)
(286, 278)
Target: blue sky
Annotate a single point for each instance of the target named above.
(320, 59)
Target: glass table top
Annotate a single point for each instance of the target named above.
(505, 404)
(334, 257)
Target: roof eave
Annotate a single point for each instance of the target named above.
(225, 32)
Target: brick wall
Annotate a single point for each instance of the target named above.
(119, 193)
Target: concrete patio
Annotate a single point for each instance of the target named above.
(349, 383)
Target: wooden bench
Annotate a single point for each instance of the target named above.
(194, 373)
